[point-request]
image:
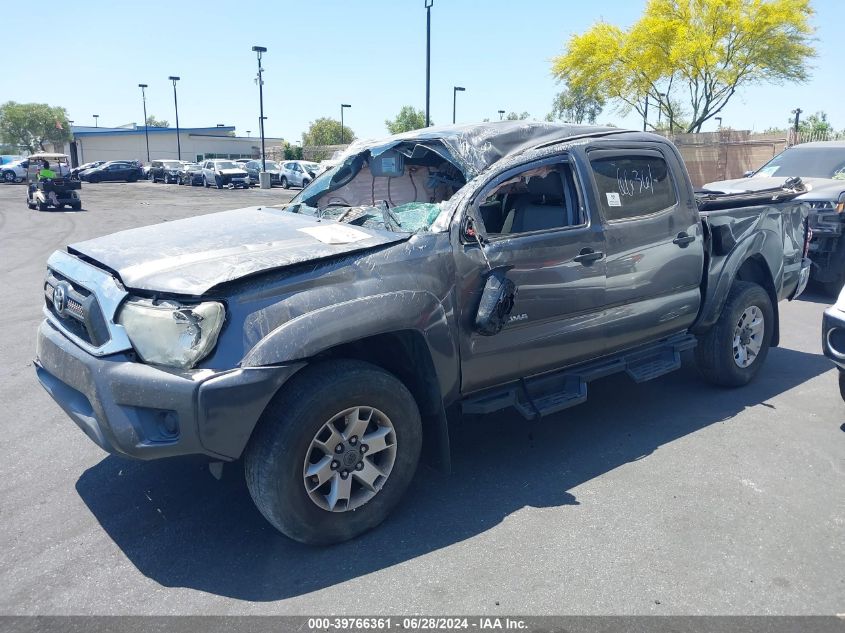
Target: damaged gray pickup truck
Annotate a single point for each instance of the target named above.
(331, 342)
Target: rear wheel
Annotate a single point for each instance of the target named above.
(305, 182)
(284, 182)
(334, 451)
(9, 176)
(733, 350)
(205, 182)
(218, 181)
(42, 206)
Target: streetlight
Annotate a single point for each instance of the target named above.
(174, 79)
(342, 106)
(662, 95)
(96, 120)
(146, 132)
(797, 112)
(718, 122)
(248, 132)
(259, 51)
(501, 114)
(455, 91)
(428, 5)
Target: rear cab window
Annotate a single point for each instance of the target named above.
(633, 185)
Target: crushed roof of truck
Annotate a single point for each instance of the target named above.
(475, 147)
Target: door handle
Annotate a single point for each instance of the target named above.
(587, 256)
(683, 239)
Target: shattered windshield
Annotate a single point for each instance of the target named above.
(402, 188)
(808, 162)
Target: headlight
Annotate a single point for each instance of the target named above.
(168, 333)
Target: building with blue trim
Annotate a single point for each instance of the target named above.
(129, 143)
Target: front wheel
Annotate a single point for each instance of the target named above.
(283, 182)
(205, 182)
(334, 451)
(733, 350)
(9, 176)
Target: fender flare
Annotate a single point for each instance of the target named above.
(312, 333)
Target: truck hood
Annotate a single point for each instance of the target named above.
(193, 255)
(817, 188)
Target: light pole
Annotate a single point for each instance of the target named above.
(428, 5)
(645, 114)
(455, 91)
(259, 51)
(342, 106)
(174, 79)
(662, 95)
(146, 132)
(248, 132)
(501, 114)
(718, 120)
(97, 120)
(797, 112)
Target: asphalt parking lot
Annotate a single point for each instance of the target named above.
(671, 497)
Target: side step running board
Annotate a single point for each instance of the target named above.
(544, 395)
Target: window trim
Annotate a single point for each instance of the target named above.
(647, 152)
(558, 159)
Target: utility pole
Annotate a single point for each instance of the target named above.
(146, 132)
(645, 114)
(455, 91)
(258, 51)
(428, 5)
(174, 79)
(797, 112)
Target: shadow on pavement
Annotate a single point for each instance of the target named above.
(180, 527)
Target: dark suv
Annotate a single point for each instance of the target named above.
(166, 171)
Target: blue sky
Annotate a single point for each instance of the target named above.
(368, 53)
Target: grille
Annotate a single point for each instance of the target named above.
(821, 205)
(80, 315)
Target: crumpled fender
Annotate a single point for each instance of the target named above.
(768, 245)
(305, 336)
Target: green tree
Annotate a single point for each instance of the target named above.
(815, 125)
(513, 116)
(292, 152)
(30, 125)
(154, 122)
(409, 118)
(326, 131)
(576, 105)
(699, 52)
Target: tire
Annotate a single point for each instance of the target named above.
(298, 416)
(41, 206)
(719, 360)
(305, 182)
(179, 181)
(76, 206)
(284, 182)
(150, 177)
(205, 182)
(9, 176)
(218, 182)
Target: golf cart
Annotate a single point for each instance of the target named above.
(57, 188)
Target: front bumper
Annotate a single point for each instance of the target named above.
(833, 336)
(141, 411)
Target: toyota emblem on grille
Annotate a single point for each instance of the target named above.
(60, 299)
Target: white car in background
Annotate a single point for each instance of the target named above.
(222, 172)
(298, 173)
(16, 171)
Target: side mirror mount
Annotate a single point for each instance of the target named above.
(497, 301)
(748, 174)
